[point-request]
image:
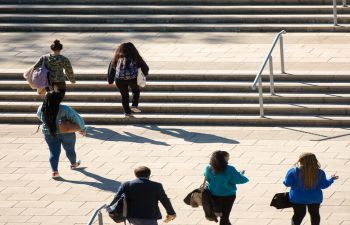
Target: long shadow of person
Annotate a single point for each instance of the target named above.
(195, 137)
(110, 135)
(101, 183)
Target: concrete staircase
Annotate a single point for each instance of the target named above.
(184, 99)
(171, 15)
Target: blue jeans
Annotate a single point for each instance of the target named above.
(55, 142)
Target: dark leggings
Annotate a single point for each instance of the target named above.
(224, 204)
(300, 212)
(123, 86)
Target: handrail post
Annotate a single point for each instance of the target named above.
(335, 19)
(100, 218)
(282, 55)
(344, 3)
(261, 101)
(272, 88)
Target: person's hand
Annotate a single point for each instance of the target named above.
(335, 177)
(83, 133)
(169, 218)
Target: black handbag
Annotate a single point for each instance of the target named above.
(281, 201)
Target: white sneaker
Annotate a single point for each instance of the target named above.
(75, 165)
(135, 109)
(55, 175)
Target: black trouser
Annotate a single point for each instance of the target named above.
(123, 86)
(300, 212)
(225, 205)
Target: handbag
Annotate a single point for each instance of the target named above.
(69, 127)
(194, 198)
(281, 201)
(40, 77)
(28, 77)
(141, 78)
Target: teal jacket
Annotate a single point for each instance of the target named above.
(224, 183)
(66, 114)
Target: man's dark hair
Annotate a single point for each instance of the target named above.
(142, 171)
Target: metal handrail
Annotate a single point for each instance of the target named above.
(335, 11)
(97, 213)
(258, 78)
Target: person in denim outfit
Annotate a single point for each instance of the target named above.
(51, 113)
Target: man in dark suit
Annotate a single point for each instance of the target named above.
(142, 197)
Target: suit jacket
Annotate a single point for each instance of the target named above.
(142, 196)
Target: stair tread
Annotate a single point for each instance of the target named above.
(279, 95)
(201, 16)
(191, 83)
(6, 6)
(175, 25)
(193, 104)
(197, 116)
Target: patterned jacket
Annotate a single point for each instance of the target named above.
(55, 64)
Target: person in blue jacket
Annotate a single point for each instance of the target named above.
(221, 182)
(51, 113)
(306, 182)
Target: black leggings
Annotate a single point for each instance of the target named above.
(224, 204)
(123, 86)
(300, 212)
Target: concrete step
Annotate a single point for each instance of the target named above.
(169, 97)
(171, 19)
(179, 9)
(198, 86)
(156, 76)
(169, 2)
(190, 108)
(169, 119)
(59, 27)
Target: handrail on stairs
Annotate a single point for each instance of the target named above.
(335, 11)
(97, 213)
(258, 78)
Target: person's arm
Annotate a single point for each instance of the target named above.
(39, 113)
(73, 116)
(238, 177)
(323, 181)
(163, 198)
(38, 63)
(120, 191)
(69, 70)
(289, 179)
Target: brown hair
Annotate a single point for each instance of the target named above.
(56, 45)
(126, 50)
(218, 161)
(309, 170)
(142, 171)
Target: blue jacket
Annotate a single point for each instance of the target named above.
(224, 183)
(142, 196)
(299, 195)
(66, 113)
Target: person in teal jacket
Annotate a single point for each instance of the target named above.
(51, 113)
(221, 181)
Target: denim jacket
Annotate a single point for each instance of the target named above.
(65, 113)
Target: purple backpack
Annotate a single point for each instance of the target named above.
(40, 76)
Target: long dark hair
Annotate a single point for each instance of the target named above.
(129, 51)
(309, 170)
(218, 162)
(50, 108)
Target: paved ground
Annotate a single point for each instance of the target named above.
(199, 52)
(177, 156)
